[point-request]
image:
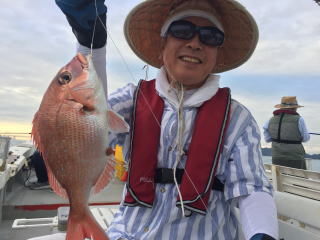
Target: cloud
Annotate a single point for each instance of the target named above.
(289, 37)
(36, 41)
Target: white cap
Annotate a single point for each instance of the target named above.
(190, 13)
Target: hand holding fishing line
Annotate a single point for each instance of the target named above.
(82, 16)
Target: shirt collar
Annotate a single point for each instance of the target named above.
(194, 97)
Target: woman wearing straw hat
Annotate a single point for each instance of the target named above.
(287, 130)
(193, 152)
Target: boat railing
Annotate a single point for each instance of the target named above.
(4, 149)
(297, 197)
(295, 181)
(14, 158)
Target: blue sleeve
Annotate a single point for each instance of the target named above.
(261, 236)
(257, 237)
(303, 130)
(83, 12)
(81, 15)
(266, 133)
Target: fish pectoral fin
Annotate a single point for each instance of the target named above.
(106, 176)
(116, 122)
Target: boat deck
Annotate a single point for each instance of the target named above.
(54, 228)
(23, 204)
(23, 196)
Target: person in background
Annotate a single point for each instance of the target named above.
(193, 151)
(287, 130)
(39, 166)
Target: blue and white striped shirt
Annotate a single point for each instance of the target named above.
(240, 168)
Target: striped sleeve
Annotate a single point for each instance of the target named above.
(121, 101)
(244, 169)
(116, 229)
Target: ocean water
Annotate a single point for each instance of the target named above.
(312, 164)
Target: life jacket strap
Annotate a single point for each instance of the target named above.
(165, 176)
(285, 141)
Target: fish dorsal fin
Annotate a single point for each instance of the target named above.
(106, 176)
(116, 122)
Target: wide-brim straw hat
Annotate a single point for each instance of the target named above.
(143, 25)
(288, 102)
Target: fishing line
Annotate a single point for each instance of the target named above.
(128, 69)
(119, 52)
(179, 140)
(181, 128)
(94, 26)
(314, 133)
(179, 144)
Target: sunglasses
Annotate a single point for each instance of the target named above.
(186, 30)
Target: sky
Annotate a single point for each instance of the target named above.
(36, 41)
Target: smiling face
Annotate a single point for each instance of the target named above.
(189, 61)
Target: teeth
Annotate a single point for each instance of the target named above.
(190, 59)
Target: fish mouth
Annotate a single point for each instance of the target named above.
(83, 89)
(83, 61)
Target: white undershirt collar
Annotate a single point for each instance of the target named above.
(194, 97)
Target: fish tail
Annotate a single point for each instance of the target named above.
(84, 227)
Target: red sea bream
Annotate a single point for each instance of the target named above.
(70, 129)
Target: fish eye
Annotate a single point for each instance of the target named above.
(64, 78)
